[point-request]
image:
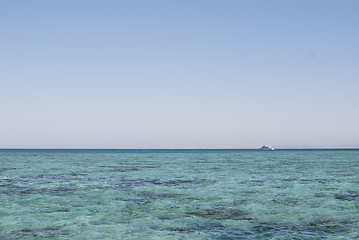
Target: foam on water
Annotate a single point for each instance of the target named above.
(154, 194)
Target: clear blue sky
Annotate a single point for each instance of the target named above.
(163, 74)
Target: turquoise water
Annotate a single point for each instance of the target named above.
(179, 194)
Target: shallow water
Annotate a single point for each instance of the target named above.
(179, 194)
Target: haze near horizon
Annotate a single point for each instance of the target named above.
(173, 74)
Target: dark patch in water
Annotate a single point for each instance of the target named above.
(145, 198)
(249, 192)
(312, 230)
(7, 169)
(240, 201)
(49, 232)
(127, 168)
(327, 225)
(288, 179)
(233, 233)
(316, 229)
(266, 227)
(6, 183)
(215, 168)
(26, 190)
(202, 161)
(126, 183)
(74, 174)
(320, 180)
(168, 216)
(153, 195)
(121, 168)
(256, 181)
(221, 213)
(180, 229)
(50, 210)
(132, 182)
(320, 194)
(349, 196)
(285, 198)
(106, 222)
(174, 182)
(207, 226)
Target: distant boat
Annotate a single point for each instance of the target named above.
(140, 149)
(266, 148)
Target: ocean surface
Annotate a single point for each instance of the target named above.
(179, 194)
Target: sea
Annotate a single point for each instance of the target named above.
(179, 194)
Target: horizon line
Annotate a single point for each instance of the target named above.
(279, 148)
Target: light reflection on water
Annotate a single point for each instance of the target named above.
(124, 194)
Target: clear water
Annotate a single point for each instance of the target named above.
(174, 194)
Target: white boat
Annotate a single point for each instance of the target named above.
(266, 148)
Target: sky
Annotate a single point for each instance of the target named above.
(179, 74)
